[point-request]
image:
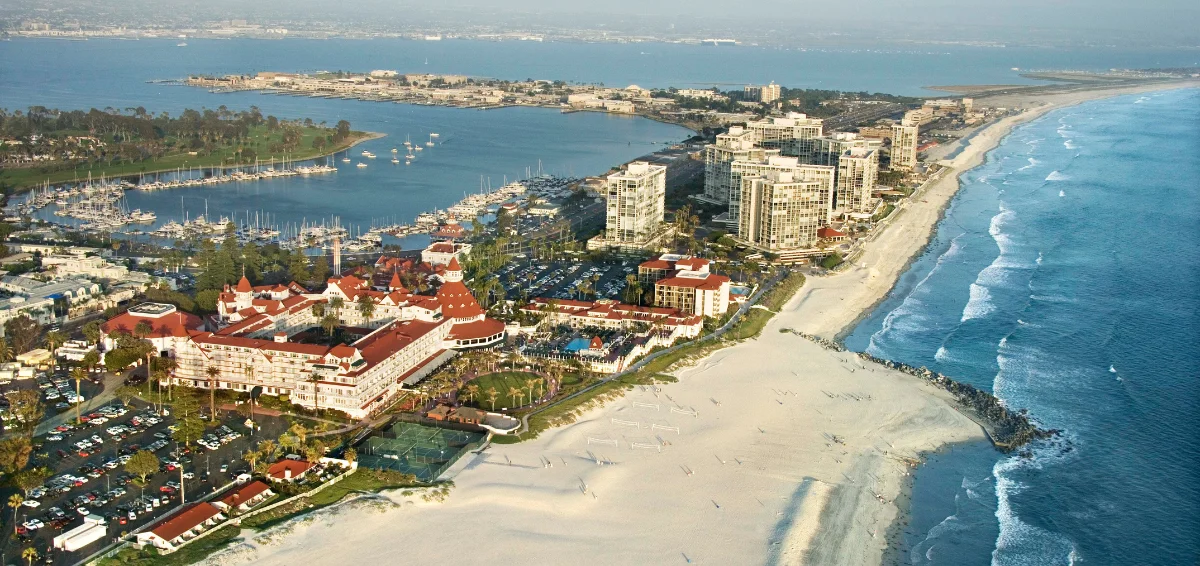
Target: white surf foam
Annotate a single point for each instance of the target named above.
(980, 304)
(1069, 144)
(1032, 163)
(1056, 176)
(1062, 193)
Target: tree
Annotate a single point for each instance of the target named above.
(491, 395)
(472, 391)
(188, 430)
(366, 307)
(320, 269)
(54, 339)
(206, 300)
(350, 455)
(213, 372)
(6, 353)
(78, 375)
(530, 384)
(26, 406)
(832, 260)
(268, 448)
(14, 454)
(298, 267)
(23, 332)
(328, 324)
(299, 431)
(318, 310)
(141, 464)
(14, 502)
(29, 554)
(91, 359)
(515, 393)
(126, 393)
(27, 480)
(315, 379)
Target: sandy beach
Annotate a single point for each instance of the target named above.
(771, 451)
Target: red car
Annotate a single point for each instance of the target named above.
(167, 489)
(84, 454)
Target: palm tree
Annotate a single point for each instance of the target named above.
(268, 449)
(78, 375)
(315, 379)
(472, 391)
(14, 502)
(491, 395)
(529, 385)
(328, 324)
(92, 332)
(53, 340)
(337, 303)
(366, 308)
(29, 554)
(213, 372)
(318, 311)
(514, 394)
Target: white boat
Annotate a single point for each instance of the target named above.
(394, 160)
(370, 156)
(419, 148)
(394, 150)
(345, 160)
(361, 164)
(430, 142)
(365, 153)
(433, 134)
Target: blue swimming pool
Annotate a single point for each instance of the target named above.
(577, 344)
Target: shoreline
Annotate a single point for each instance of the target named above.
(369, 136)
(822, 446)
(834, 304)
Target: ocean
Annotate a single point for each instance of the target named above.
(475, 147)
(1065, 278)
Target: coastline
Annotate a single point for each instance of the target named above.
(833, 304)
(820, 445)
(368, 136)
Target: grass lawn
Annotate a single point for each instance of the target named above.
(502, 381)
(189, 554)
(260, 140)
(361, 481)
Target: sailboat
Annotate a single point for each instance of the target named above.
(430, 142)
(395, 161)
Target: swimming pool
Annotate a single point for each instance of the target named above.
(577, 344)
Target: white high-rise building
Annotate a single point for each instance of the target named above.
(635, 197)
(904, 146)
(780, 213)
(738, 144)
(793, 134)
(827, 150)
(762, 93)
(857, 170)
(824, 175)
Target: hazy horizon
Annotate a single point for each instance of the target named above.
(1100, 22)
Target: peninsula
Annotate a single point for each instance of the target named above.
(50, 146)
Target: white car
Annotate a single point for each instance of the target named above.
(32, 503)
(83, 510)
(54, 437)
(34, 524)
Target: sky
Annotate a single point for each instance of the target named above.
(1095, 20)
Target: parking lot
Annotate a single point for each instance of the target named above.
(90, 477)
(562, 279)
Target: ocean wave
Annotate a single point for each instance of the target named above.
(1020, 543)
(1056, 176)
(1032, 163)
(979, 305)
(1038, 261)
(941, 354)
(1069, 144)
(905, 316)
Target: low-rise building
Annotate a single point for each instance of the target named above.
(177, 529)
(440, 253)
(244, 497)
(609, 314)
(288, 470)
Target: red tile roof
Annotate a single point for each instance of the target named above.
(175, 324)
(243, 285)
(442, 247)
(453, 265)
(478, 329)
(185, 520)
(710, 283)
(297, 467)
(244, 493)
(456, 300)
(829, 233)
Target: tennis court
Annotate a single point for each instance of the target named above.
(422, 451)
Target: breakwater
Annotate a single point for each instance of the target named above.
(1008, 430)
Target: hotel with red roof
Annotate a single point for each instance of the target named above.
(685, 283)
(259, 339)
